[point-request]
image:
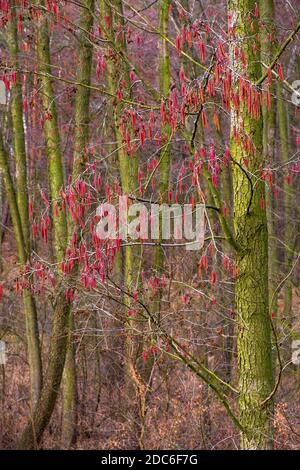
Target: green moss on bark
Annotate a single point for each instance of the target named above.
(250, 222)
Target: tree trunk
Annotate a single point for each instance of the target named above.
(164, 166)
(269, 128)
(288, 199)
(34, 430)
(82, 118)
(250, 221)
(69, 418)
(32, 333)
(128, 167)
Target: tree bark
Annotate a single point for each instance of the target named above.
(33, 432)
(128, 167)
(250, 221)
(82, 118)
(269, 129)
(164, 166)
(288, 199)
(31, 320)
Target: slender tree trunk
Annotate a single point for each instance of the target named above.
(33, 342)
(31, 324)
(60, 326)
(69, 419)
(269, 128)
(288, 199)
(51, 133)
(12, 202)
(1, 219)
(128, 166)
(251, 292)
(164, 167)
(82, 118)
(18, 128)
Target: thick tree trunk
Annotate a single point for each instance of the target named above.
(250, 221)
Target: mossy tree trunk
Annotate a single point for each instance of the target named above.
(32, 333)
(164, 167)
(82, 118)
(118, 71)
(269, 132)
(250, 221)
(33, 432)
(289, 235)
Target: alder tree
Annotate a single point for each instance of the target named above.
(147, 108)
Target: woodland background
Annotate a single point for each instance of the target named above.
(125, 345)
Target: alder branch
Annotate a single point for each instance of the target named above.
(182, 356)
(163, 36)
(84, 85)
(216, 197)
(147, 201)
(270, 396)
(280, 51)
